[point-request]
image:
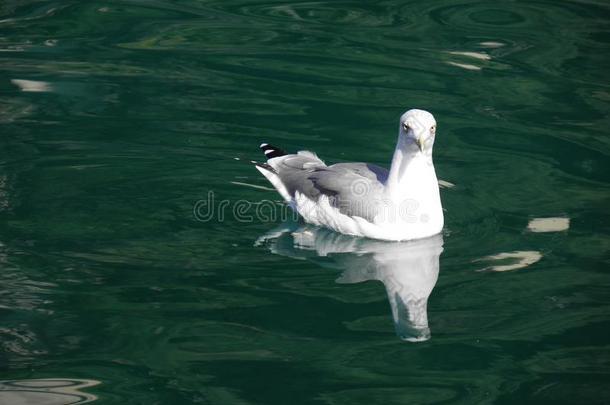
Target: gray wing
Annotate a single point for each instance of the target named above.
(354, 188)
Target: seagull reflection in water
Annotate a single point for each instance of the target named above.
(408, 270)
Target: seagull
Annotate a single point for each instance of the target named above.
(363, 199)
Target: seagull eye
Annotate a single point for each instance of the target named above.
(405, 127)
(433, 128)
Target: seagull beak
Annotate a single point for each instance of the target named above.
(420, 143)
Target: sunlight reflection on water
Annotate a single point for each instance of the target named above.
(46, 391)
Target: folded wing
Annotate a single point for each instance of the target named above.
(354, 188)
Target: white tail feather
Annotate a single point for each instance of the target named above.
(276, 181)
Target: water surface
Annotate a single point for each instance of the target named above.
(117, 117)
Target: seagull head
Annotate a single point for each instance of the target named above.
(418, 128)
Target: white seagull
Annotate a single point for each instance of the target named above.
(362, 199)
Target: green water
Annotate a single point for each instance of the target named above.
(117, 117)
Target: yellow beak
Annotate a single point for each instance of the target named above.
(420, 143)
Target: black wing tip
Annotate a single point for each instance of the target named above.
(271, 151)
